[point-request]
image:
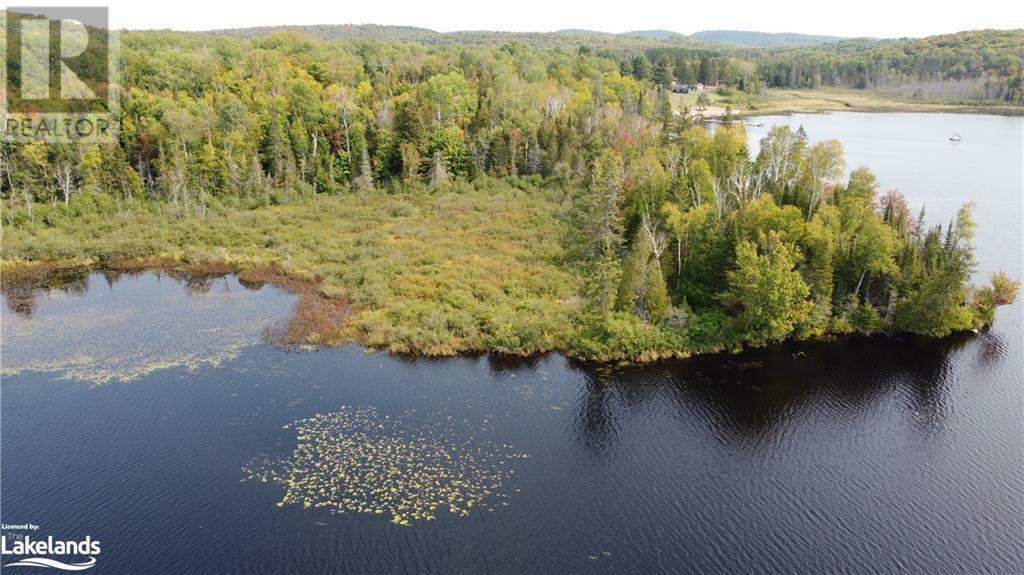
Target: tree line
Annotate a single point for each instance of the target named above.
(685, 242)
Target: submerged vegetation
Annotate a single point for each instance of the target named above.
(453, 198)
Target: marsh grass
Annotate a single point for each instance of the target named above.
(473, 267)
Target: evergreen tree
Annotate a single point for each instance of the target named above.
(767, 294)
(663, 73)
(641, 68)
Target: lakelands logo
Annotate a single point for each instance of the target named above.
(33, 552)
(58, 79)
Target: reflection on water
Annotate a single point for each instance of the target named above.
(20, 297)
(753, 398)
(87, 328)
(876, 455)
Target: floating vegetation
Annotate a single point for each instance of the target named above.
(100, 333)
(356, 460)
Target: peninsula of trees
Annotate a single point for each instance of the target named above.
(512, 196)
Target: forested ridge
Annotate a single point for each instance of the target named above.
(975, 65)
(496, 196)
(970, 66)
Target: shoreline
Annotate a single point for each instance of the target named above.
(320, 321)
(785, 102)
(1007, 112)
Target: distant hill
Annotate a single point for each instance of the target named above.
(581, 32)
(569, 37)
(339, 32)
(734, 37)
(636, 38)
(763, 39)
(656, 34)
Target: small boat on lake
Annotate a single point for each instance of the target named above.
(955, 137)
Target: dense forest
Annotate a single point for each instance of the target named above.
(968, 66)
(622, 227)
(973, 66)
(981, 65)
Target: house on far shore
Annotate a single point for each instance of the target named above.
(678, 88)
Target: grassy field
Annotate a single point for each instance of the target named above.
(782, 101)
(437, 274)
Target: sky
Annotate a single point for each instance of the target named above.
(875, 18)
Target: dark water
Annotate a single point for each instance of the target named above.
(127, 417)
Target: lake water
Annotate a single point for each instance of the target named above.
(912, 153)
(150, 414)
